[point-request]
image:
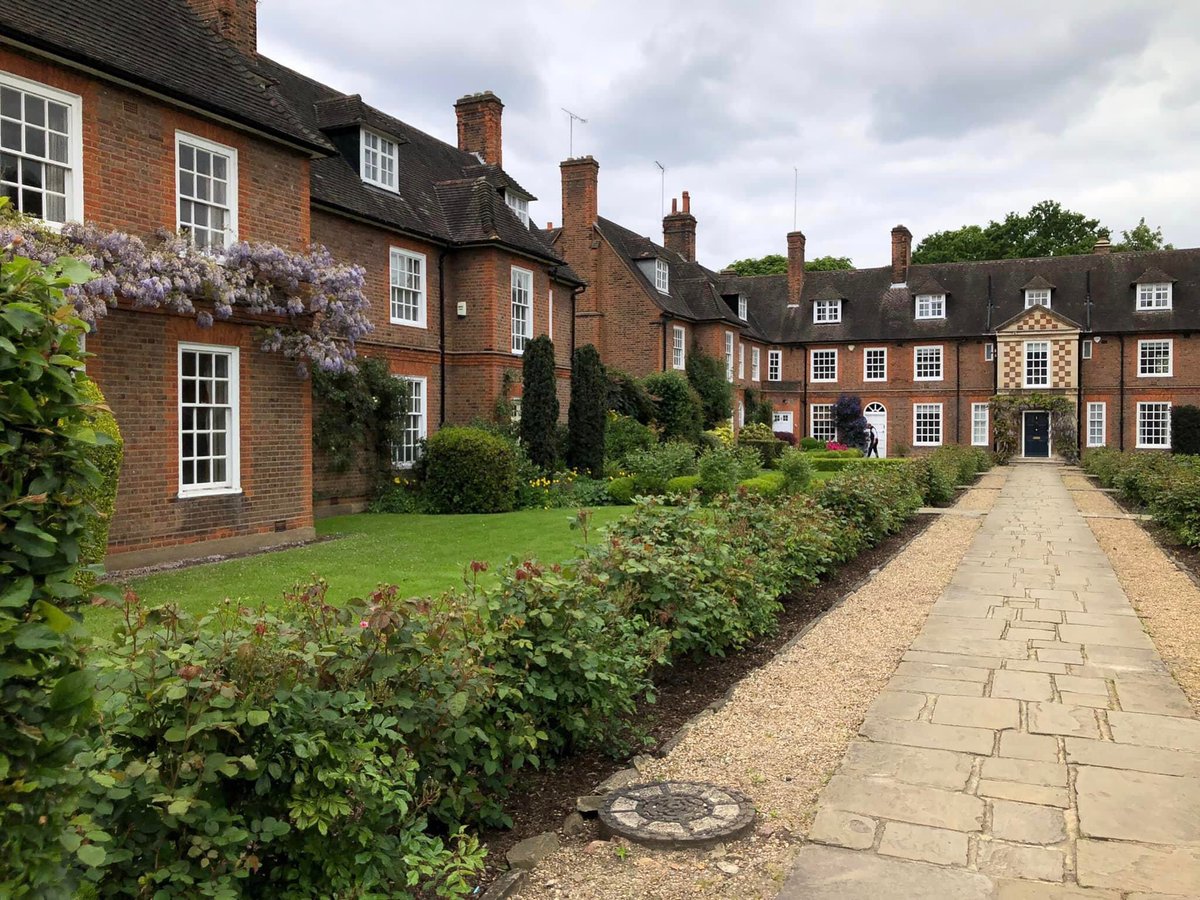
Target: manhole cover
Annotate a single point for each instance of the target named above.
(677, 814)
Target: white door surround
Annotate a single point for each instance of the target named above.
(876, 414)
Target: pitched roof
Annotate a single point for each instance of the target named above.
(159, 45)
(1037, 283)
(443, 193)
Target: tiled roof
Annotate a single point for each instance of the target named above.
(159, 45)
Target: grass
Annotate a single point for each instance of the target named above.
(422, 554)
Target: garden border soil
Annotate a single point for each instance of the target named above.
(683, 691)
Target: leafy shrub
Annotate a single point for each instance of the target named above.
(810, 443)
(628, 397)
(625, 434)
(1185, 429)
(722, 435)
(758, 410)
(786, 436)
(590, 492)
(683, 485)
(767, 484)
(1168, 484)
(849, 421)
(1104, 463)
(586, 416)
(654, 467)
(829, 463)
(796, 469)
(755, 431)
(706, 375)
(620, 490)
(468, 470)
(1143, 476)
(1177, 506)
(718, 471)
(401, 496)
(875, 500)
(677, 408)
(358, 417)
(539, 403)
(102, 497)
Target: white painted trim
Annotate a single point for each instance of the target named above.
(755, 364)
(662, 276)
(423, 430)
(1148, 306)
(233, 483)
(1102, 406)
(837, 312)
(362, 160)
(777, 357)
(941, 375)
(1025, 363)
(1170, 358)
(512, 279)
(423, 302)
(868, 350)
(678, 346)
(73, 102)
(233, 197)
(729, 354)
(931, 298)
(941, 425)
(882, 411)
(1046, 291)
(812, 365)
(1049, 434)
(1138, 425)
(812, 421)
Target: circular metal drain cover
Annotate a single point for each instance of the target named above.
(677, 814)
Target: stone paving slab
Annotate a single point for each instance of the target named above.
(1030, 746)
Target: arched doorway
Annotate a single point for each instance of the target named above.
(876, 415)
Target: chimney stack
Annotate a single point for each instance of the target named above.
(679, 229)
(795, 270)
(479, 126)
(1102, 245)
(901, 254)
(234, 20)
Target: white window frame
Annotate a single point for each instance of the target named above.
(827, 312)
(989, 352)
(931, 306)
(662, 276)
(521, 279)
(926, 409)
(812, 365)
(387, 150)
(232, 483)
(74, 201)
(729, 356)
(1143, 346)
(1143, 408)
(741, 361)
(519, 205)
(1087, 349)
(741, 414)
(980, 422)
(1154, 297)
(1097, 421)
(774, 365)
(1036, 296)
(755, 364)
(1027, 381)
(231, 154)
(867, 351)
(940, 374)
(550, 313)
(678, 347)
(826, 410)
(401, 453)
(743, 309)
(400, 281)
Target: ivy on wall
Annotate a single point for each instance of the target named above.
(359, 416)
(1006, 423)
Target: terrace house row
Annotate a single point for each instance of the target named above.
(141, 115)
(925, 347)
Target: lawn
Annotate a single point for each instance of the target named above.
(421, 554)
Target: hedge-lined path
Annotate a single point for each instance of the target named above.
(1032, 744)
(780, 736)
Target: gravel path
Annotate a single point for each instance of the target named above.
(1167, 599)
(779, 738)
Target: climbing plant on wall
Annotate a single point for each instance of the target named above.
(1006, 423)
(359, 416)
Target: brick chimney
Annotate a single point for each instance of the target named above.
(479, 126)
(679, 229)
(795, 266)
(234, 20)
(901, 254)
(579, 244)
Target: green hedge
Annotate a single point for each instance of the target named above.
(767, 484)
(621, 490)
(102, 495)
(1167, 485)
(469, 470)
(683, 485)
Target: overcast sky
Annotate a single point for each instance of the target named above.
(917, 113)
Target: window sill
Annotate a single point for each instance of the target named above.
(1152, 446)
(1155, 375)
(876, 380)
(214, 492)
(822, 381)
(923, 378)
(406, 324)
(920, 444)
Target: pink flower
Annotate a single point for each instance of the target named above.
(363, 624)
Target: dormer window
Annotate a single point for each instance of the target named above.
(931, 306)
(1037, 297)
(519, 205)
(742, 308)
(662, 276)
(378, 160)
(827, 311)
(1154, 296)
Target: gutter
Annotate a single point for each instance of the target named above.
(958, 392)
(804, 396)
(1079, 398)
(1121, 399)
(442, 337)
(665, 321)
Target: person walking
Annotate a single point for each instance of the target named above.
(872, 442)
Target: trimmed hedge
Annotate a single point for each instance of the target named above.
(768, 484)
(683, 485)
(620, 490)
(469, 470)
(1168, 485)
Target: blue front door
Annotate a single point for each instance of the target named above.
(1037, 434)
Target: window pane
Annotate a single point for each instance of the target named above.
(58, 117)
(35, 110)
(35, 141)
(10, 135)
(10, 103)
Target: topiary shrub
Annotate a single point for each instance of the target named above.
(620, 490)
(677, 408)
(1185, 430)
(706, 375)
(102, 495)
(468, 470)
(683, 485)
(768, 484)
(786, 436)
(539, 403)
(810, 443)
(623, 435)
(849, 421)
(586, 416)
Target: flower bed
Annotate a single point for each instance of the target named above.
(1167, 485)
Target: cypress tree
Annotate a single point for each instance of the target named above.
(539, 403)
(586, 416)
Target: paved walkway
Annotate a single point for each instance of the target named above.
(1030, 745)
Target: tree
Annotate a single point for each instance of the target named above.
(777, 264)
(849, 421)
(587, 414)
(968, 243)
(677, 408)
(539, 403)
(1142, 237)
(706, 374)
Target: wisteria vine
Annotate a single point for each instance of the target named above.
(322, 299)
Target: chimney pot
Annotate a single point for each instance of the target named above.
(679, 229)
(901, 254)
(687, 202)
(479, 118)
(674, 206)
(234, 20)
(1102, 245)
(795, 272)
